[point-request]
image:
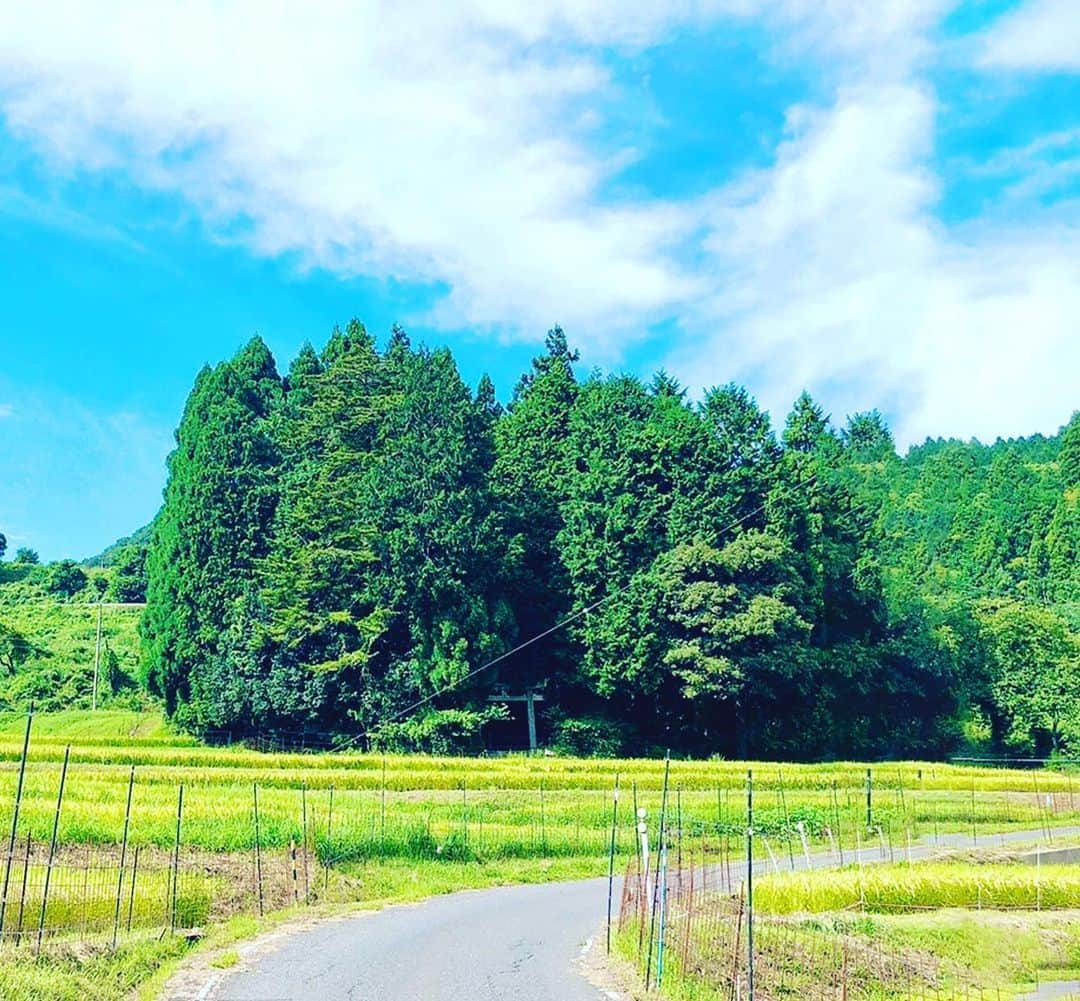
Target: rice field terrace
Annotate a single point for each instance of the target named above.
(354, 806)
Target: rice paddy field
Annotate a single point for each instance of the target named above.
(353, 806)
(259, 832)
(987, 923)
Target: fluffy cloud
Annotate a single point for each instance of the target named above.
(434, 143)
(837, 275)
(1041, 35)
(457, 145)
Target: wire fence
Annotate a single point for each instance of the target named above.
(100, 893)
(177, 857)
(694, 923)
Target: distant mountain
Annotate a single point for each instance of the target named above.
(107, 557)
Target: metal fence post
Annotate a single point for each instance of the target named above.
(22, 892)
(52, 848)
(258, 848)
(303, 814)
(15, 820)
(750, 885)
(656, 880)
(176, 857)
(123, 858)
(329, 841)
(611, 856)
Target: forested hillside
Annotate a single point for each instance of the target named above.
(49, 641)
(363, 532)
(344, 547)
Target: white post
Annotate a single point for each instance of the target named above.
(801, 827)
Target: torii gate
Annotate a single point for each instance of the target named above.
(530, 697)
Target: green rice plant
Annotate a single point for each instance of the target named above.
(515, 806)
(920, 886)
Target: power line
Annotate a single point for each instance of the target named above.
(561, 624)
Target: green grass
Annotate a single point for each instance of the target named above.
(1013, 950)
(81, 976)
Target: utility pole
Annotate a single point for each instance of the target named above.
(97, 655)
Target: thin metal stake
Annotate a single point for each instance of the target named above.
(176, 855)
(123, 858)
(611, 857)
(258, 848)
(52, 848)
(787, 820)
(329, 841)
(750, 885)
(382, 809)
(22, 893)
(656, 879)
(303, 813)
(15, 819)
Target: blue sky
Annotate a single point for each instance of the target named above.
(877, 201)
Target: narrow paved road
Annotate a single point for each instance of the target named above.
(515, 943)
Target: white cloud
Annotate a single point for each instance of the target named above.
(455, 144)
(434, 142)
(427, 142)
(6, 410)
(835, 274)
(1040, 35)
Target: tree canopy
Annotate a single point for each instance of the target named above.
(346, 547)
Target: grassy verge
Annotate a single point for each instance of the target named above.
(80, 975)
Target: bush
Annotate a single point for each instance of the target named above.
(588, 737)
(66, 578)
(440, 731)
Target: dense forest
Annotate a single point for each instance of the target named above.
(362, 545)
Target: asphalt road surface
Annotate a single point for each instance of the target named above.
(515, 943)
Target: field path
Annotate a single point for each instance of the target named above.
(513, 943)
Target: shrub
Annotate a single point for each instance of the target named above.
(588, 737)
(66, 578)
(440, 731)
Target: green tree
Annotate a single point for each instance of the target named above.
(868, 437)
(1037, 686)
(15, 649)
(440, 538)
(529, 478)
(305, 635)
(213, 527)
(65, 578)
(127, 582)
(807, 426)
(26, 556)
